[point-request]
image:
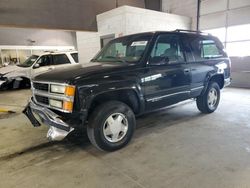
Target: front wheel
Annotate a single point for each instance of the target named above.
(111, 126)
(209, 101)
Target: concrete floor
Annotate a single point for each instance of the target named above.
(176, 147)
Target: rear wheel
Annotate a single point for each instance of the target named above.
(209, 101)
(111, 126)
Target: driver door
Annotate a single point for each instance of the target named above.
(45, 64)
(168, 77)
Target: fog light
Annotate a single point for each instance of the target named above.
(55, 103)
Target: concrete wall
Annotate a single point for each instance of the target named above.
(22, 37)
(88, 44)
(127, 20)
(184, 8)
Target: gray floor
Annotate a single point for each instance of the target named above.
(176, 147)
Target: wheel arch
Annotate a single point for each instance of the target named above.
(219, 78)
(128, 96)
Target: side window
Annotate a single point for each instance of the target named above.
(205, 48)
(210, 50)
(44, 61)
(167, 50)
(75, 57)
(60, 59)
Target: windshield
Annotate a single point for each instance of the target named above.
(128, 49)
(29, 62)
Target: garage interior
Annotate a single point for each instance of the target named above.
(173, 147)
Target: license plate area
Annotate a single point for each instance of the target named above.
(28, 112)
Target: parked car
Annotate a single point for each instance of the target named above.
(131, 75)
(17, 76)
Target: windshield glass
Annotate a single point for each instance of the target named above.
(29, 62)
(128, 49)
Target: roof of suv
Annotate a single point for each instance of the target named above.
(189, 32)
(58, 52)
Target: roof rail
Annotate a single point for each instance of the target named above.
(190, 31)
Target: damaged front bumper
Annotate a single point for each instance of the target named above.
(3, 82)
(40, 115)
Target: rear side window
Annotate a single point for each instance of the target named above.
(204, 49)
(60, 59)
(75, 57)
(209, 50)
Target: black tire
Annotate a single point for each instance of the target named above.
(98, 120)
(203, 100)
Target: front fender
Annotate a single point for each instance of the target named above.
(88, 93)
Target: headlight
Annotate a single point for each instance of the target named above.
(57, 89)
(61, 89)
(55, 103)
(68, 91)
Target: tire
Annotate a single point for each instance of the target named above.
(111, 126)
(209, 101)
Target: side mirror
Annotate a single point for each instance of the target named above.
(158, 60)
(36, 66)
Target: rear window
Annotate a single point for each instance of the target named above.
(205, 48)
(75, 57)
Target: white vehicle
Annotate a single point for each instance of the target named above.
(16, 76)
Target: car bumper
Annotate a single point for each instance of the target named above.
(227, 82)
(40, 115)
(3, 82)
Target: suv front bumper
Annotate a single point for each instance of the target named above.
(227, 82)
(40, 115)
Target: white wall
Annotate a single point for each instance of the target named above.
(181, 7)
(41, 37)
(88, 44)
(127, 20)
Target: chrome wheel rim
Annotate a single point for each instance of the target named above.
(212, 98)
(115, 127)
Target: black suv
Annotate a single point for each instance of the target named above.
(131, 75)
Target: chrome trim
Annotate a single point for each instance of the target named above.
(227, 82)
(54, 96)
(44, 82)
(51, 107)
(54, 133)
(50, 95)
(196, 88)
(164, 96)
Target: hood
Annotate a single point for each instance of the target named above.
(11, 68)
(79, 71)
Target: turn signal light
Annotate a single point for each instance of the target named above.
(70, 91)
(68, 106)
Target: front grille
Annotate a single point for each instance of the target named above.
(42, 99)
(41, 86)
